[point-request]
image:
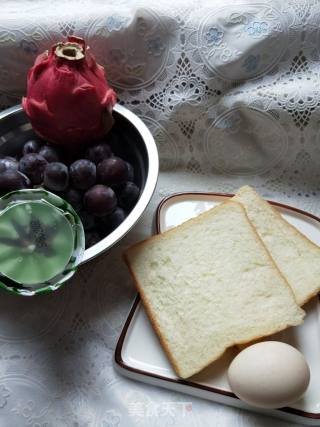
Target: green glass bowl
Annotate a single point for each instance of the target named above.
(41, 242)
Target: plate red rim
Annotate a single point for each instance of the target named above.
(118, 351)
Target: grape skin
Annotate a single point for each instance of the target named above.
(31, 146)
(8, 163)
(100, 200)
(49, 153)
(83, 174)
(33, 165)
(11, 180)
(98, 152)
(56, 176)
(112, 172)
(128, 195)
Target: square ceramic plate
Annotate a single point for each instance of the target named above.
(139, 354)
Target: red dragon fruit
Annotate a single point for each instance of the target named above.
(68, 99)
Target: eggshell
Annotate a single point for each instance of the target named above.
(269, 374)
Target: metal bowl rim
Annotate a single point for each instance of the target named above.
(147, 192)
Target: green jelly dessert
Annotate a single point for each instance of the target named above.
(41, 241)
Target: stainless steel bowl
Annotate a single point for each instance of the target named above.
(15, 130)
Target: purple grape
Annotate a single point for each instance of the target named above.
(56, 176)
(74, 197)
(130, 172)
(11, 180)
(129, 195)
(113, 171)
(100, 200)
(33, 165)
(92, 237)
(49, 153)
(87, 220)
(113, 220)
(31, 146)
(8, 163)
(98, 152)
(83, 174)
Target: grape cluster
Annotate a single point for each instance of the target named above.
(98, 183)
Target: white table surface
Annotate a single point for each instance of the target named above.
(231, 93)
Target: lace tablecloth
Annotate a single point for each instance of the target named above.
(231, 94)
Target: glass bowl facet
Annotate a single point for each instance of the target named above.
(41, 242)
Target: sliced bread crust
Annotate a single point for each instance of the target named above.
(202, 302)
(296, 256)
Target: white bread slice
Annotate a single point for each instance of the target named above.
(296, 256)
(209, 284)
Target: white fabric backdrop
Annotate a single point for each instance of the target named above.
(231, 92)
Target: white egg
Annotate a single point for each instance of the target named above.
(270, 374)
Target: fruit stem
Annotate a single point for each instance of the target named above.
(69, 51)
